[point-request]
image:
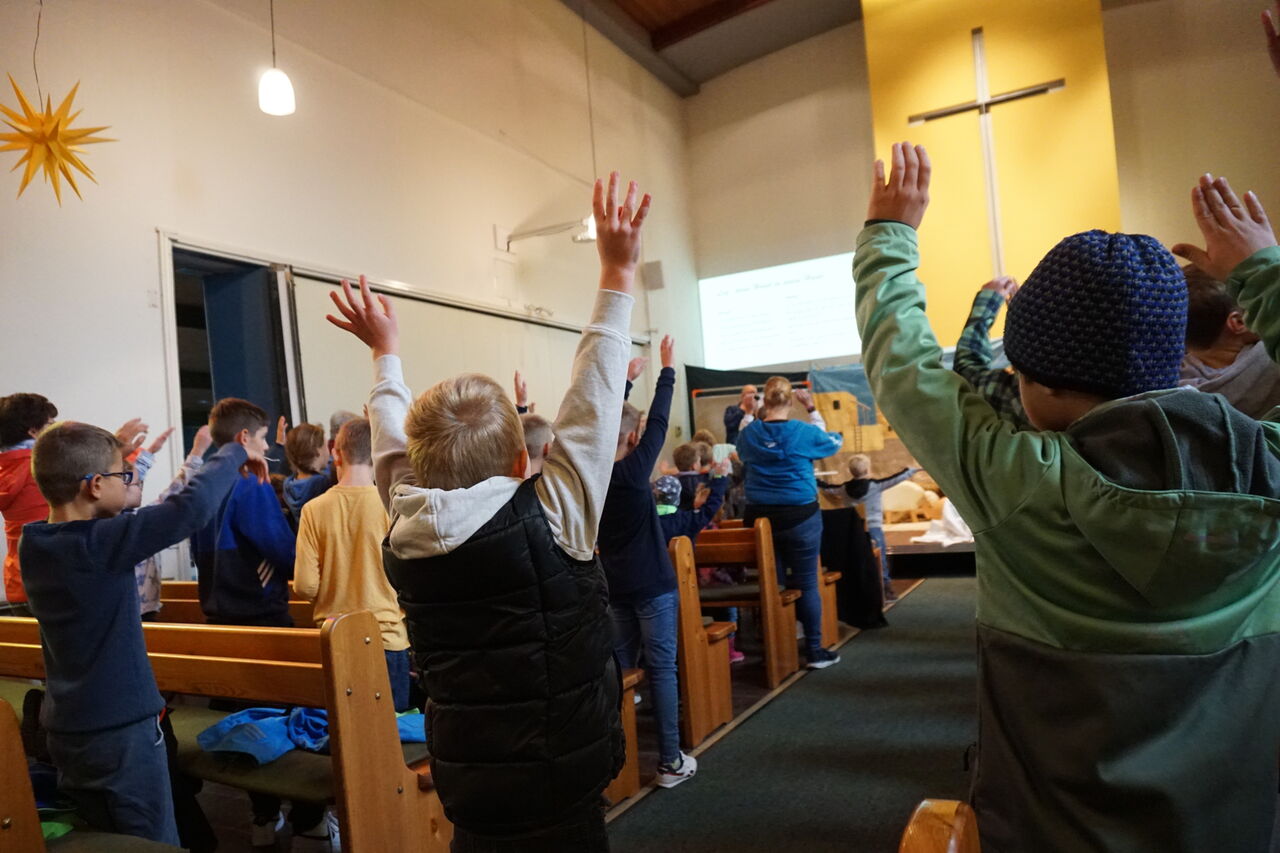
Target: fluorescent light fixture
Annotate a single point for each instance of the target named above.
(584, 231)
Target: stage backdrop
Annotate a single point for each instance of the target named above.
(1048, 165)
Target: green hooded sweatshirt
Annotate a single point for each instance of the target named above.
(1128, 589)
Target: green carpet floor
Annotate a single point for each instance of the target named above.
(839, 761)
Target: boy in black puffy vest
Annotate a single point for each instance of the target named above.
(506, 605)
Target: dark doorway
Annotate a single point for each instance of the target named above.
(230, 337)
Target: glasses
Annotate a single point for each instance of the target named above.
(126, 477)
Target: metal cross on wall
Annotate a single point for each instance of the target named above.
(983, 104)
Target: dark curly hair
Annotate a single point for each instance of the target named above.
(21, 413)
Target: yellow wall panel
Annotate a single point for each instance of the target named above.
(1054, 154)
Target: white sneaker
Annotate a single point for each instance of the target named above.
(264, 834)
(669, 777)
(324, 837)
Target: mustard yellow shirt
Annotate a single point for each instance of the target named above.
(339, 560)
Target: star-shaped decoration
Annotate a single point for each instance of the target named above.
(49, 140)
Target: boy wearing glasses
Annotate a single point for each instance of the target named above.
(101, 707)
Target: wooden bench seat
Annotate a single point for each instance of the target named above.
(383, 804)
(186, 611)
(706, 692)
(941, 826)
(627, 782)
(830, 606)
(753, 547)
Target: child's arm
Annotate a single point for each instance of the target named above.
(889, 482)
(389, 401)
(575, 475)
(954, 433)
(522, 395)
(259, 520)
(1240, 249)
(703, 516)
(131, 538)
(640, 461)
(191, 465)
(973, 351)
(306, 565)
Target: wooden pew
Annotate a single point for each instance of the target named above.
(627, 782)
(180, 589)
(382, 803)
(19, 820)
(188, 612)
(754, 547)
(941, 826)
(706, 693)
(826, 589)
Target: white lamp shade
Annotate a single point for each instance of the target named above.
(275, 93)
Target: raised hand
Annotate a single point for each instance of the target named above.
(282, 430)
(202, 442)
(256, 467)
(618, 232)
(700, 496)
(522, 391)
(747, 402)
(1005, 285)
(635, 367)
(722, 468)
(156, 446)
(130, 435)
(804, 398)
(1271, 26)
(667, 351)
(905, 196)
(373, 323)
(1232, 230)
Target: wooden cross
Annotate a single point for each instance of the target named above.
(983, 104)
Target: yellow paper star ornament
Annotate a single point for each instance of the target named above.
(49, 141)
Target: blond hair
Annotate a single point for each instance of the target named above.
(860, 465)
(777, 393)
(537, 434)
(461, 432)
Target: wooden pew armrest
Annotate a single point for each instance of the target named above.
(831, 577)
(731, 602)
(790, 595)
(631, 677)
(718, 631)
(422, 769)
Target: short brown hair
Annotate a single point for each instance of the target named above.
(21, 413)
(705, 454)
(629, 423)
(68, 452)
(705, 436)
(686, 457)
(1208, 307)
(302, 446)
(537, 434)
(355, 440)
(231, 415)
(463, 431)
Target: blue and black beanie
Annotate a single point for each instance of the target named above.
(1102, 313)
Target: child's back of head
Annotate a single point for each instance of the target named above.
(337, 419)
(22, 414)
(1209, 306)
(686, 457)
(538, 437)
(304, 446)
(68, 454)
(354, 440)
(1102, 314)
(704, 436)
(231, 416)
(860, 466)
(463, 431)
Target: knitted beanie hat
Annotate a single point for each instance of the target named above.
(1102, 313)
(666, 490)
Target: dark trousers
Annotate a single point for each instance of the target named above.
(582, 833)
(119, 779)
(398, 672)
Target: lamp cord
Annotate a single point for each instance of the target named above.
(34, 67)
(273, 32)
(586, 65)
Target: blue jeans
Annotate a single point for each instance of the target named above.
(651, 624)
(877, 536)
(796, 549)
(119, 779)
(398, 671)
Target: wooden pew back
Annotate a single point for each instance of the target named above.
(941, 826)
(186, 611)
(706, 695)
(753, 546)
(344, 671)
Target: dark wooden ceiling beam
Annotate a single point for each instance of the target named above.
(701, 19)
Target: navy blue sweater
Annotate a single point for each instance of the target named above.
(80, 582)
(633, 548)
(689, 522)
(245, 559)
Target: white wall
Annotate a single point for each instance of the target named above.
(400, 176)
(1192, 91)
(419, 126)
